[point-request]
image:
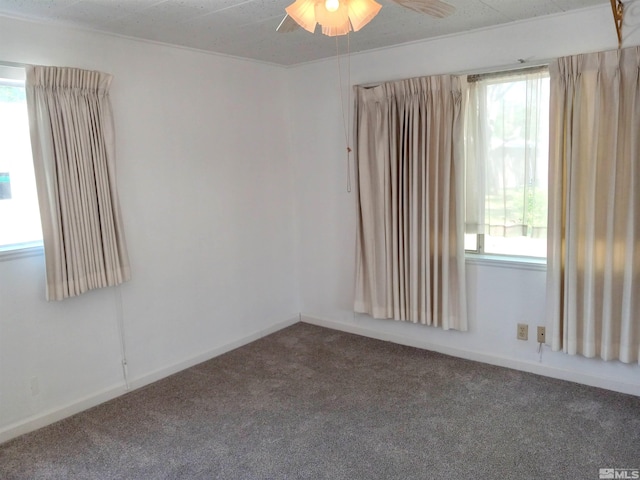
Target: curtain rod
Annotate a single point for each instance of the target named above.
(506, 73)
(497, 71)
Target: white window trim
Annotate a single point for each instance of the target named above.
(478, 256)
(14, 74)
(506, 261)
(21, 250)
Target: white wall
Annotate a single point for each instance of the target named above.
(229, 237)
(499, 296)
(206, 188)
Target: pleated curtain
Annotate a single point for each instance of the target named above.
(410, 248)
(72, 138)
(593, 295)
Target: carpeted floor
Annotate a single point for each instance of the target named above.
(309, 402)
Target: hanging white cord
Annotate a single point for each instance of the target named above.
(346, 118)
(120, 324)
(540, 352)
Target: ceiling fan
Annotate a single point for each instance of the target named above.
(339, 17)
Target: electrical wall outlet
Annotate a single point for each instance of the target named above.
(523, 331)
(540, 334)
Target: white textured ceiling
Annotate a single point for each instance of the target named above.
(247, 28)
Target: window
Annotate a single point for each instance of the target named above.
(19, 213)
(506, 135)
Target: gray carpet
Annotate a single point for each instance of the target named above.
(309, 402)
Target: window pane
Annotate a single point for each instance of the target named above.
(520, 246)
(471, 242)
(507, 162)
(19, 214)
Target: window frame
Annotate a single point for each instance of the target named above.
(478, 255)
(21, 250)
(13, 74)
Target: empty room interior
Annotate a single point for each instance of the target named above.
(249, 196)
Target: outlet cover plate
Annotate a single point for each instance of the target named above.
(523, 331)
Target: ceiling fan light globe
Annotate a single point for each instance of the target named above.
(303, 12)
(337, 20)
(332, 5)
(336, 17)
(362, 12)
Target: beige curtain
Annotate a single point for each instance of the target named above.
(410, 245)
(72, 138)
(593, 295)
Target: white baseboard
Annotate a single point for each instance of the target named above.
(59, 413)
(203, 357)
(53, 415)
(537, 368)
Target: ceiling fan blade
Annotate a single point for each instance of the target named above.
(287, 24)
(435, 8)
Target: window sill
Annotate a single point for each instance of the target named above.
(507, 261)
(21, 250)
